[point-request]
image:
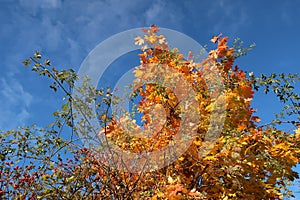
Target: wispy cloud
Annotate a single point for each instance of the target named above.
(14, 104)
(155, 11)
(63, 30)
(14, 92)
(227, 16)
(165, 14)
(35, 5)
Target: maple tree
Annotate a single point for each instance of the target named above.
(245, 161)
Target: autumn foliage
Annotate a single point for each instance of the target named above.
(245, 161)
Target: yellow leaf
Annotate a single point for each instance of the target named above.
(210, 158)
(45, 177)
(170, 180)
(209, 108)
(181, 158)
(160, 194)
(297, 131)
(151, 39)
(138, 73)
(198, 142)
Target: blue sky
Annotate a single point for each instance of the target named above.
(66, 31)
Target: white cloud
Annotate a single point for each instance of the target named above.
(229, 16)
(14, 92)
(64, 31)
(155, 11)
(52, 35)
(34, 6)
(15, 102)
(232, 24)
(165, 14)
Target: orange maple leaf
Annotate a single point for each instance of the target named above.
(215, 39)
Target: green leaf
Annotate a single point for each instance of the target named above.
(53, 87)
(70, 179)
(47, 62)
(26, 62)
(37, 55)
(65, 107)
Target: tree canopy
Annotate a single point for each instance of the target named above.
(199, 128)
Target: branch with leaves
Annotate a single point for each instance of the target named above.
(247, 160)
